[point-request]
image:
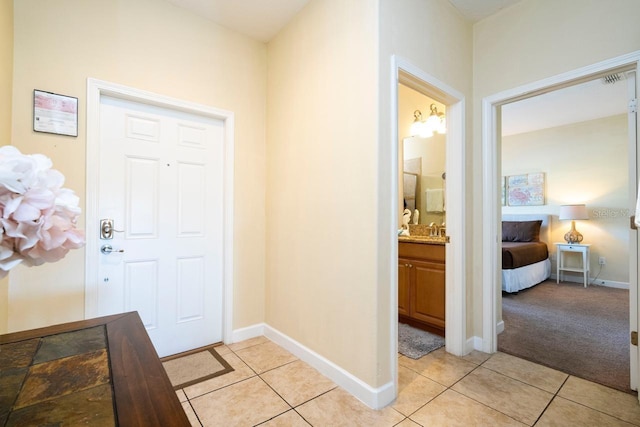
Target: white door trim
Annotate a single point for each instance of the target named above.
(490, 176)
(95, 90)
(634, 242)
(403, 71)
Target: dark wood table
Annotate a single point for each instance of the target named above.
(98, 372)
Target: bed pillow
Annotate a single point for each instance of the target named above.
(521, 231)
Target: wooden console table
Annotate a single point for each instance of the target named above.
(99, 372)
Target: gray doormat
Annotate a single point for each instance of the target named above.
(415, 343)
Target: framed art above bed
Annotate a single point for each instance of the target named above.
(523, 190)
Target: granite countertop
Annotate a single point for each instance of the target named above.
(421, 233)
(425, 240)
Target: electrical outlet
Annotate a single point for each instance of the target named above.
(602, 261)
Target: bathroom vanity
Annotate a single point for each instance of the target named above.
(421, 283)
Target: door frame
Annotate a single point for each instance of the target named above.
(405, 72)
(491, 209)
(96, 89)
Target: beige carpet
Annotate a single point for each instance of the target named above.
(193, 367)
(580, 331)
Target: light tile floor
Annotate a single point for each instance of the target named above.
(271, 387)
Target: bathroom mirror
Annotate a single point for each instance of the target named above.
(424, 177)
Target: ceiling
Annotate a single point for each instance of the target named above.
(258, 19)
(475, 10)
(263, 19)
(579, 103)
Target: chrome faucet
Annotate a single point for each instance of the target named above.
(433, 230)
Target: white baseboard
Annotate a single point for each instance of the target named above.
(469, 345)
(474, 343)
(596, 282)
(500, 327)
(375, 398)
(247, 333)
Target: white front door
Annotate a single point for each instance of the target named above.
(161, 183)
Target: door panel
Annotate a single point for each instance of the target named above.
(429, 293)
(404, 286)
(160, 180)
(141, 290)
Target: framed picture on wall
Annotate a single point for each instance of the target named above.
(53, 113)
(525, 190)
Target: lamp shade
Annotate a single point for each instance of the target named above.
(573, 212)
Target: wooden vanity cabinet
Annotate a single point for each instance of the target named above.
(421, 286)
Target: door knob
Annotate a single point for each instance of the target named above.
(107, 249)
(107, 229)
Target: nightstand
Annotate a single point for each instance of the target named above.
(573, 247)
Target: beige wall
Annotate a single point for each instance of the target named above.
(530, 41)
(329, 176)
(6, 84)
(434, 37)
(583, 163)
(321, 183)
(154, 46)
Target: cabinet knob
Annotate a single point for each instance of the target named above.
(410, 266)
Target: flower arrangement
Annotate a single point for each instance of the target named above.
(37, 216)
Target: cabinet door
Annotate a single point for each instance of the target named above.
(404, 280)
(428, 294)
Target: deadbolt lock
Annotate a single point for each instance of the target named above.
(106, 229)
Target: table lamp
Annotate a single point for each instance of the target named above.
(573, 212)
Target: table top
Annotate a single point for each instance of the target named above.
(573, 244)
(99, 372)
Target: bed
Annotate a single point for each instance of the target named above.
(525, 254)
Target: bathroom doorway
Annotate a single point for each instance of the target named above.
(453, 102)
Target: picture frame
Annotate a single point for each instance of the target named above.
(55, 113)
(526, 189)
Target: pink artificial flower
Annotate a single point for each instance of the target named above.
(37, 215)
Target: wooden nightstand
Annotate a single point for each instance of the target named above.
(573, 247)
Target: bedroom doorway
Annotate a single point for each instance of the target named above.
(491, 107)
(592, 342)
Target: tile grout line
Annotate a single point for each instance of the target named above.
(259, 375)
(442, 392)
(552, 399)
(446, 388)
(589, 407)
(477, 401)
(526, 383)
(194, 411)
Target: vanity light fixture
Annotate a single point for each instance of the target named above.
(573, 212)
(436, 122)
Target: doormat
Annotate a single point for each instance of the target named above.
(415, 343)
(190, 368)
